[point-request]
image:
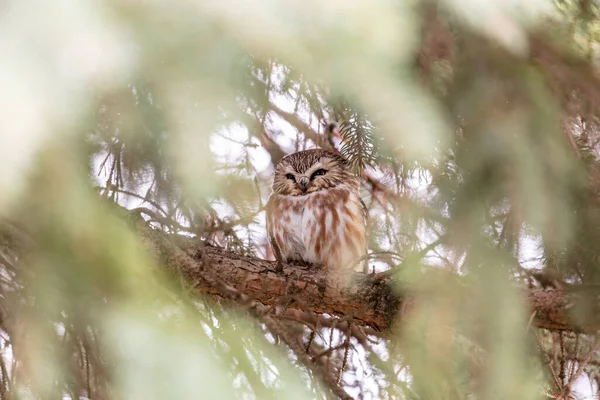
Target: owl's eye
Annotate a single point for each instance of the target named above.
(318, 172)
(290, 176)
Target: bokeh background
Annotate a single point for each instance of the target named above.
(473, 126)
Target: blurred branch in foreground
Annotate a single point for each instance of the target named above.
(137, 152)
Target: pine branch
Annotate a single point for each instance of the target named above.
(359, 141)
(374, 302)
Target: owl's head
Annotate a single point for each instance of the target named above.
(309, 171)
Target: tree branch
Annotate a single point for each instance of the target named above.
(373, 302)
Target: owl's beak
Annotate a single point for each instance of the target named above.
(303, 185)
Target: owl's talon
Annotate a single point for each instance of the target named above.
(303, 264)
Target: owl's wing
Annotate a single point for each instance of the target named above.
(365, 216)
(271, 237)
(277, 253)
(364, 212)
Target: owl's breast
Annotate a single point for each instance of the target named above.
(325, 227)
(286, 223)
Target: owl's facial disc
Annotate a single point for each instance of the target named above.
(309, 171)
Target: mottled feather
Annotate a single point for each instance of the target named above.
(315, 213)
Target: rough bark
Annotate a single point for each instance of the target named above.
(375, 301)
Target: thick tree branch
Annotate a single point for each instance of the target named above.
(373, 302)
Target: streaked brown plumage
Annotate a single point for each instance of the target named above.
(315, 213)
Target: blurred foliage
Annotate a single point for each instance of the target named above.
(473, 126)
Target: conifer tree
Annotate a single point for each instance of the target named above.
(138, 145)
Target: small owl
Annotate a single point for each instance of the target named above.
(315, 213)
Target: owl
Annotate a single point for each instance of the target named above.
(315, 213)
